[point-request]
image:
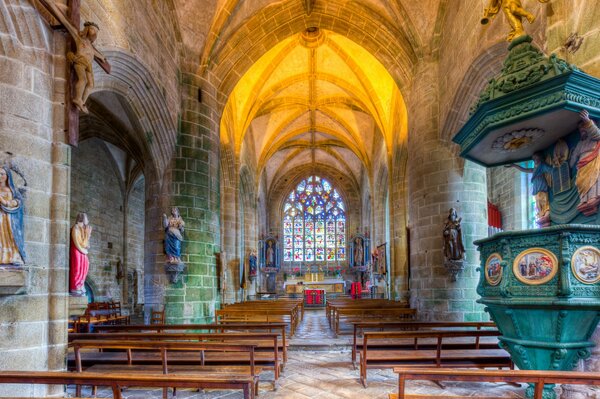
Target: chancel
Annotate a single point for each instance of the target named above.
(300, 199)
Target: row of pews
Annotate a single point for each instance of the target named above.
(343, 311)
(446, 351)
(98, 314)
(231, 354)
(284, 310)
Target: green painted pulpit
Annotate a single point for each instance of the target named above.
(542, 286)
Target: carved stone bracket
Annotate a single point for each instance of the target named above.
(13, 280)
(454, 267)
(174, 271)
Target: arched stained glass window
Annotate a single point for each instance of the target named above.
(314, 223)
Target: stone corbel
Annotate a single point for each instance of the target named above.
(14, 280)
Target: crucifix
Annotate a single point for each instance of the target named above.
(82, 53)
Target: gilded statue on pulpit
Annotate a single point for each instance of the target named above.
(514, 12)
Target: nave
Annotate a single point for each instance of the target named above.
(320, 367)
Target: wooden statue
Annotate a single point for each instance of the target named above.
(82, 58)
(79, 263)
(12, 241)
(586, 158)
(453, 243)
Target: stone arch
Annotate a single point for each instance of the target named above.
(487, 65)
(132, 80)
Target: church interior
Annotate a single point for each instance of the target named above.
(300, 199)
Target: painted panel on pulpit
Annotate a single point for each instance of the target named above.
(535, 266)
(586, 264)
(493, 269)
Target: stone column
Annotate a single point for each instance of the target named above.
(437, 181)
(591, 365)
(195, 191)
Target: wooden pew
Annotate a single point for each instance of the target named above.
(249, 327)
(117, 382)
(536, 377)
(334, 304)
(287, 311)
(267, 352)
(154, 357)
(401, 355)
(360, 326)
(377, 314)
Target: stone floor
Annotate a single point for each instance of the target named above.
(319, 367)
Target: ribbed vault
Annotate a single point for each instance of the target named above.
(315, 97)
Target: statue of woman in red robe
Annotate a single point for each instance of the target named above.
(79, 262)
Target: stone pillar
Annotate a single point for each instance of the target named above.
(591, 365)
(195, 191)
(437, 181)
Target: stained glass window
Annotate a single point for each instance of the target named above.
(314, 223)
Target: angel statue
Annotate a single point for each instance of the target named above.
(83, 56)
(514, 12)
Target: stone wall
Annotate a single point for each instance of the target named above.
(135, 238)
(32, 83)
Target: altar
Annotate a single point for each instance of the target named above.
(330, 286)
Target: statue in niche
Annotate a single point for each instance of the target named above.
(174, 227)
(540, 184)
(454, 250)
(358, 252)
(270, 254)
(514, 11)
(12, 242)
(586, 158)
(83, 56)
(79, 263)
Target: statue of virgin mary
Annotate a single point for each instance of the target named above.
(12, 241)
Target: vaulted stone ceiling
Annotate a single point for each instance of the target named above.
(203, 22)
(316, 97)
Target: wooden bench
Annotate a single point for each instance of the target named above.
(262, 311)
(535, 377)
(267, 352)
(118, 382)
(247, 327)
(100, 313)
(401, 351)
(155, 357)
(334, 304)
(360, 326)
(377, 314)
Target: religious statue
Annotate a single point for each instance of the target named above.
(540, 184)
(12, 241)
(174, 228)
(453, 244)
(83, 56)
(586, 158)
(252, 264)
(270, 254)
(79, 263)
(454, 250)
(358, 252)
(514, 12)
